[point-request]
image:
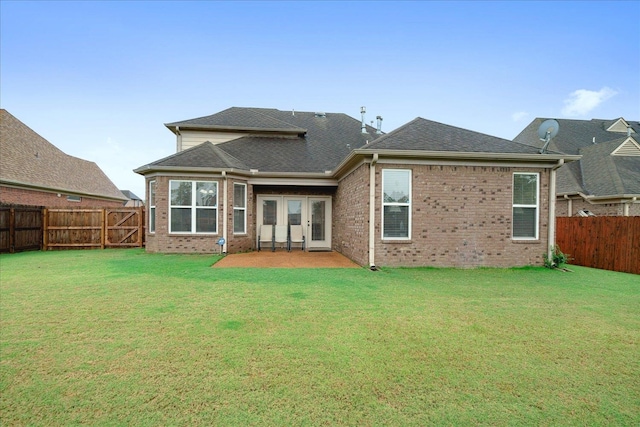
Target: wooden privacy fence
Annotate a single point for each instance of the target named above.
(32, 228)
(20, 228)
(93, 228)
(606, 242)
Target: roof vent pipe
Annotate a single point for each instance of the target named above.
(364, 125)
(379, 123)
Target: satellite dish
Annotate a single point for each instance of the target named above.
(547, 130)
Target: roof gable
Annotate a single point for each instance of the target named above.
(206, 155)
(30, 160)
(619, 125)
(628, 148)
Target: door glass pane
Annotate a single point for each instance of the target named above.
(294, 212)
(317, 220)
(269, 212)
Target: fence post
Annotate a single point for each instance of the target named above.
(45, 229)
(140, 226)
(103, 228)
(12, 230)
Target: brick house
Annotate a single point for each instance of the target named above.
(606, 180)
(34, 172)
(426, 194)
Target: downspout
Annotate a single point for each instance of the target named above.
(551, 228)
(224, 211)
(372, 211)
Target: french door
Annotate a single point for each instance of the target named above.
(313, 213)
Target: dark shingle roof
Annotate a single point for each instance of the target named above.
(598, 173)
(426, 135)
(240, 118)
(29, 159)
(273, 144)
(206, 155)
(604, 174)
(130, 195)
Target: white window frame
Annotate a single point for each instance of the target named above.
(152, 206)
(409, 173)
(535, 206)
(194, 208)
(243, 208)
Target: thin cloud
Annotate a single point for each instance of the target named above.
(583, 101)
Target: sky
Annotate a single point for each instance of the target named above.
(99, 79)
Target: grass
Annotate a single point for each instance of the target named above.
(122, 337)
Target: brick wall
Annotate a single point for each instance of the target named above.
(351, 216)
(241, 242)
(26, 197)
(162, 241)
(461, 217)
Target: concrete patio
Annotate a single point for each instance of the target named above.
(284, 259)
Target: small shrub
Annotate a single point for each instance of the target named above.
(558, 258)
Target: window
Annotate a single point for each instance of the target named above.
(239, 208)
(152, 206)
(396, 204)
(194, 207)
(74, 198)
(525, 205)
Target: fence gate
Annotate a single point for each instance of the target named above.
(124, 227)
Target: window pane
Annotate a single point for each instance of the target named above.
(269, 212)
(206, 194)
(180, 193)
(524, 222)
(396, 186)
(152, 219)
(180, 220)
(238, 221)
(152, 193)
(206, 221)
(239, 196)
(525, 189)
(396, 221)
(294, 212)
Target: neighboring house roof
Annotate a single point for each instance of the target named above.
(129, 195)
(610, 164)
(28, 160)
(278, 141)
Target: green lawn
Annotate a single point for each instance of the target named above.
(121, 337)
